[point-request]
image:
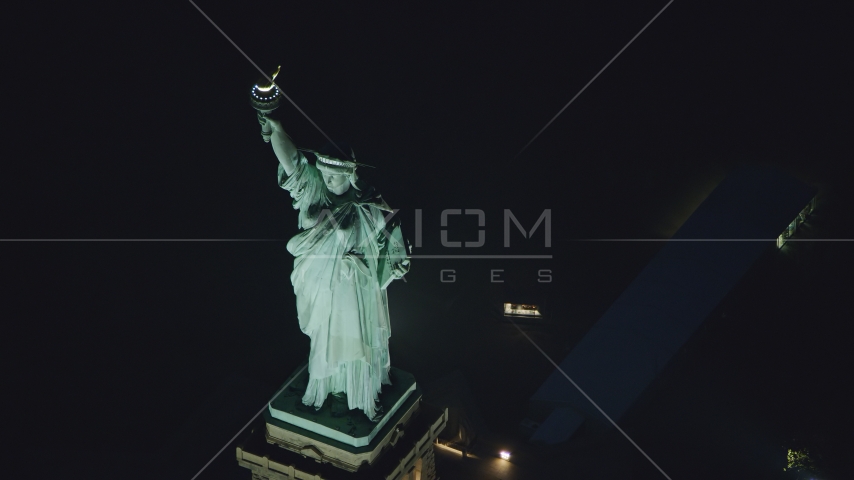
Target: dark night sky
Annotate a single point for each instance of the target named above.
(131, 121)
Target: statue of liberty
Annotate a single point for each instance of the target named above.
(345, 257)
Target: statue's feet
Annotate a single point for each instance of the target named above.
(339, 405)
(379, 413)
(302, 407)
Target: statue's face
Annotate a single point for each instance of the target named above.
(336, 184)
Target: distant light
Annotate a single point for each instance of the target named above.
(505, 455)
(521, 310)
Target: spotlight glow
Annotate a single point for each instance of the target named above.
(505, 455)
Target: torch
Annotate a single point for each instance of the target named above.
(266, 97)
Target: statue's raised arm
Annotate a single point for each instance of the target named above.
(283, 146)
(265, 98)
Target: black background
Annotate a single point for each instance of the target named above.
(131, 121)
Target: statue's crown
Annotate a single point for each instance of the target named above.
(335, 162)
(325, 160)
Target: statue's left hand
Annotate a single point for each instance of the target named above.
(400, 269)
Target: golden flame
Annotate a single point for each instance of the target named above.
(268, 87)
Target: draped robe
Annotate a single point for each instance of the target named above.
(340, 306)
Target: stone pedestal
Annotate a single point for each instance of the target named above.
(297, 442)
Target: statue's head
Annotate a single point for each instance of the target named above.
(338, 169)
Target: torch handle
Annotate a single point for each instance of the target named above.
(266, 132)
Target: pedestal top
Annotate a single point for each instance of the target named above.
(351, 427)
